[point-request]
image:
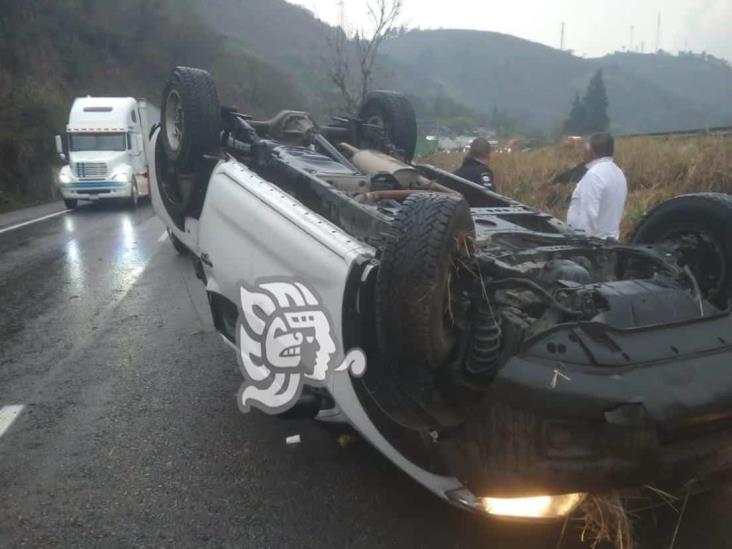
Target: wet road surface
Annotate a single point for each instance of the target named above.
(129, 434)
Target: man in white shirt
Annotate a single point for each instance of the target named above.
(598, 200)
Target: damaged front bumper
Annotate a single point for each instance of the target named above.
(95, 190)
(588, 408)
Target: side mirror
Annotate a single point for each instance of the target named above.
(60, 148)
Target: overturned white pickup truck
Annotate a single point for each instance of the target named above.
(506, 362)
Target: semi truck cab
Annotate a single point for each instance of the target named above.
(105, 148)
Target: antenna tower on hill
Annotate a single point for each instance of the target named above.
(341, 13)
(658, 33)
(632, 32)
(561, 37)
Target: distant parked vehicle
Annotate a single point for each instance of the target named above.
(106, 150)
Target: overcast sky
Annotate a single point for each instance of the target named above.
(592, 27)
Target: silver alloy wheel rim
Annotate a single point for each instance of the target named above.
(174, 123)
(376, 130)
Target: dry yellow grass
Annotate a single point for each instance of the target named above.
(606, 522)
(657, 168)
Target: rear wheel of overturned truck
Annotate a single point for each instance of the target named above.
(389, 123)
(190, 129)
(190, 117)
(698, 228)
(422, 306)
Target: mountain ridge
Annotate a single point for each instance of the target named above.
(485, 70)
(536, 83)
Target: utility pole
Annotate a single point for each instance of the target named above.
(658, 32)
(341, 14)
(561, 38)
(632, 30)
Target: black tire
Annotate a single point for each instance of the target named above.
(134, 198)
(190, 117)
(705, 220)
(394, 112)
(70, 203)
(428, 237)
(181, 248)
(176, 188)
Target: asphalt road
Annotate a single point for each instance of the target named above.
(129, 434)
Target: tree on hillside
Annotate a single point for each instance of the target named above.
(589, 114)
(595, 104)
(575, 123)
(351, 63)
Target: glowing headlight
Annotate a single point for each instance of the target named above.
(536, 507)
(64, 177)
(540, 507)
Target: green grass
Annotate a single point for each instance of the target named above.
(12, 201)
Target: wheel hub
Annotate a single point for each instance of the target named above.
(174, 122)
(704, 255)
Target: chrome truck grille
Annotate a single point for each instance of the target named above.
(90, 170)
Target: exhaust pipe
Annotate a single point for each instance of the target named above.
(408, 177)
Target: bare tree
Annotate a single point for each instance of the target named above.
(351, 62)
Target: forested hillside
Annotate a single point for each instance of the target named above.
(702, 79)
(54, 50)
(489, 71)
(536, 83)
(292, 38)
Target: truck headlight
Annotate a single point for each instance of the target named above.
(538, 507)
(64, 177)
(530, 508)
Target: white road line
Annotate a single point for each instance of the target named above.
(19, 225)
(8, 415)
(163, 236)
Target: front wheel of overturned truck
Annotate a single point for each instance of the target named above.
(421, 308)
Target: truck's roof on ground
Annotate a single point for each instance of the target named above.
(102, 113)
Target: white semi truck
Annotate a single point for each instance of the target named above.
(105, 148)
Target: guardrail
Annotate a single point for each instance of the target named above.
(720, 130)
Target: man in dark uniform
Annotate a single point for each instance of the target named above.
(475, 166)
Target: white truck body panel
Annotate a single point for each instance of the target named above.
(107, 143)
(250, 229)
